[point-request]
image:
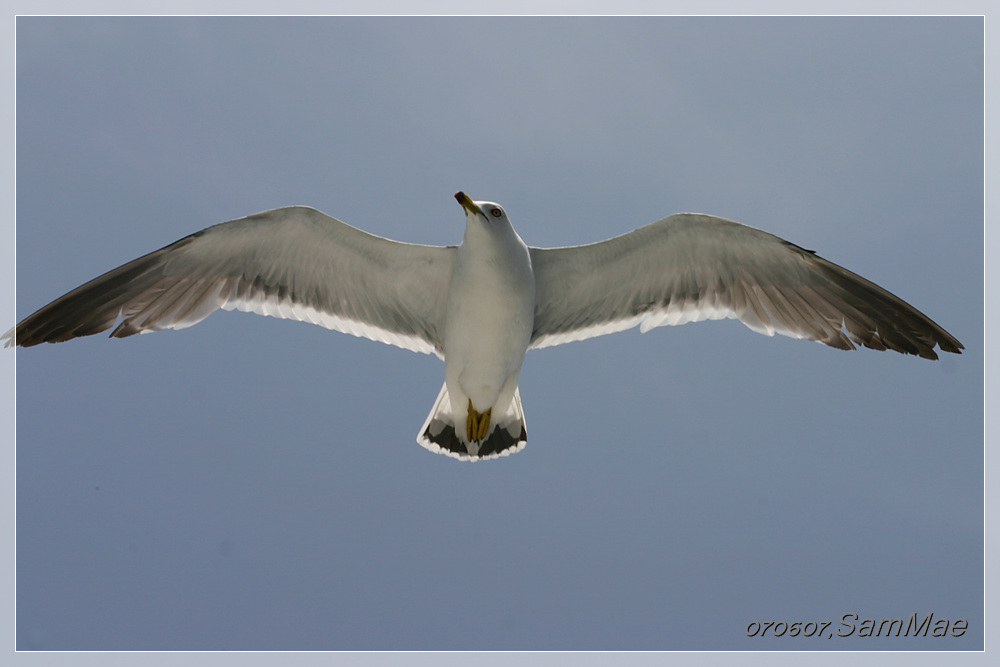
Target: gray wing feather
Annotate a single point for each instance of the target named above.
(690, 267)
(293, 263)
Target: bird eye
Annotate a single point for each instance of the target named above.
(496, 213)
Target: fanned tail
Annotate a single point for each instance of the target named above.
(506, 434)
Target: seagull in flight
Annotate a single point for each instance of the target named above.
(482, 304)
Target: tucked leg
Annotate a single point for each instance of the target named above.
(477, 423)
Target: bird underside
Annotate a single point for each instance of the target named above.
(298, 263)
(471, 435)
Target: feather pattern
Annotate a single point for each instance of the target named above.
(691, 267)
(293, 263)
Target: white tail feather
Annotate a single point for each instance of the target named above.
(444, 432)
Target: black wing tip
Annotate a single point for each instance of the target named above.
(917, 345)
(44, 328)
(884, 321)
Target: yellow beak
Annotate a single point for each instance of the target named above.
(468, 204)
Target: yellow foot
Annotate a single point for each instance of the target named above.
(477, 423)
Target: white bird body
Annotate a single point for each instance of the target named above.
(481, 305)
(490, 315)
(491, 303)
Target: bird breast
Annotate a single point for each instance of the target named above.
(491, 302)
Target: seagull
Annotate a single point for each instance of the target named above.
(482, 304)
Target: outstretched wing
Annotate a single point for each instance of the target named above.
(690, 267)
(294, 262)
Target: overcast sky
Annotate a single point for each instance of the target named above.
(253, 483)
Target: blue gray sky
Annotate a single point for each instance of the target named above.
(253, 483)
